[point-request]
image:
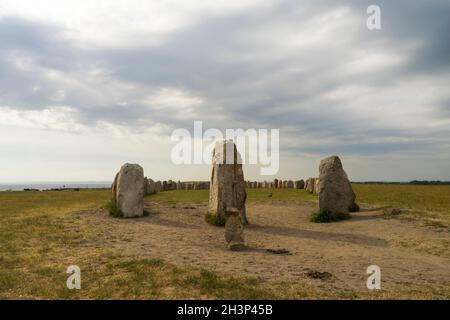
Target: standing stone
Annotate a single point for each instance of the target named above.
(275, 183)
(151, 189)
(290, 184)
(310, 185)
(128, 190)
(299, 184)
(145, 185)
(202, 185)
(316, 186)
(335, 191)
(158, 186)
(227, 187)
(234, 229)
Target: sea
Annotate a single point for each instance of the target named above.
(54, 185)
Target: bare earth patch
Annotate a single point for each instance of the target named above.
(331, 254)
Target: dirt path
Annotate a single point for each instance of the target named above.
(407, 254)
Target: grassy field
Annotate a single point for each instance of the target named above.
(41, 234)
(430, 204)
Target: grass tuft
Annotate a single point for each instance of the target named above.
(113, 210)
(214, 219)
(328, 216)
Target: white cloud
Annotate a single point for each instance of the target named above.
(61, 118)
(122, 22)
(179, 103)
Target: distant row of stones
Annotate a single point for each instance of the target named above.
(276, 184)
(227, 196)
(152, 187)
(311, 184)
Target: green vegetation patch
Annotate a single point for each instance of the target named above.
(115, 212)
(214, 219)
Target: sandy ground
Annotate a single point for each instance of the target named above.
(407, 253)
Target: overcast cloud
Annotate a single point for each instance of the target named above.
(85, 87)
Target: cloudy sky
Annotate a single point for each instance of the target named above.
(88, 85)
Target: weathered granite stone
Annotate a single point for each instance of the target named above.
(227, 181)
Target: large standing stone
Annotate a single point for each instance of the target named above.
(234, 229)
(335, 191)
(290, 184)
(275, 183)
(128, 190)
(227, 187)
